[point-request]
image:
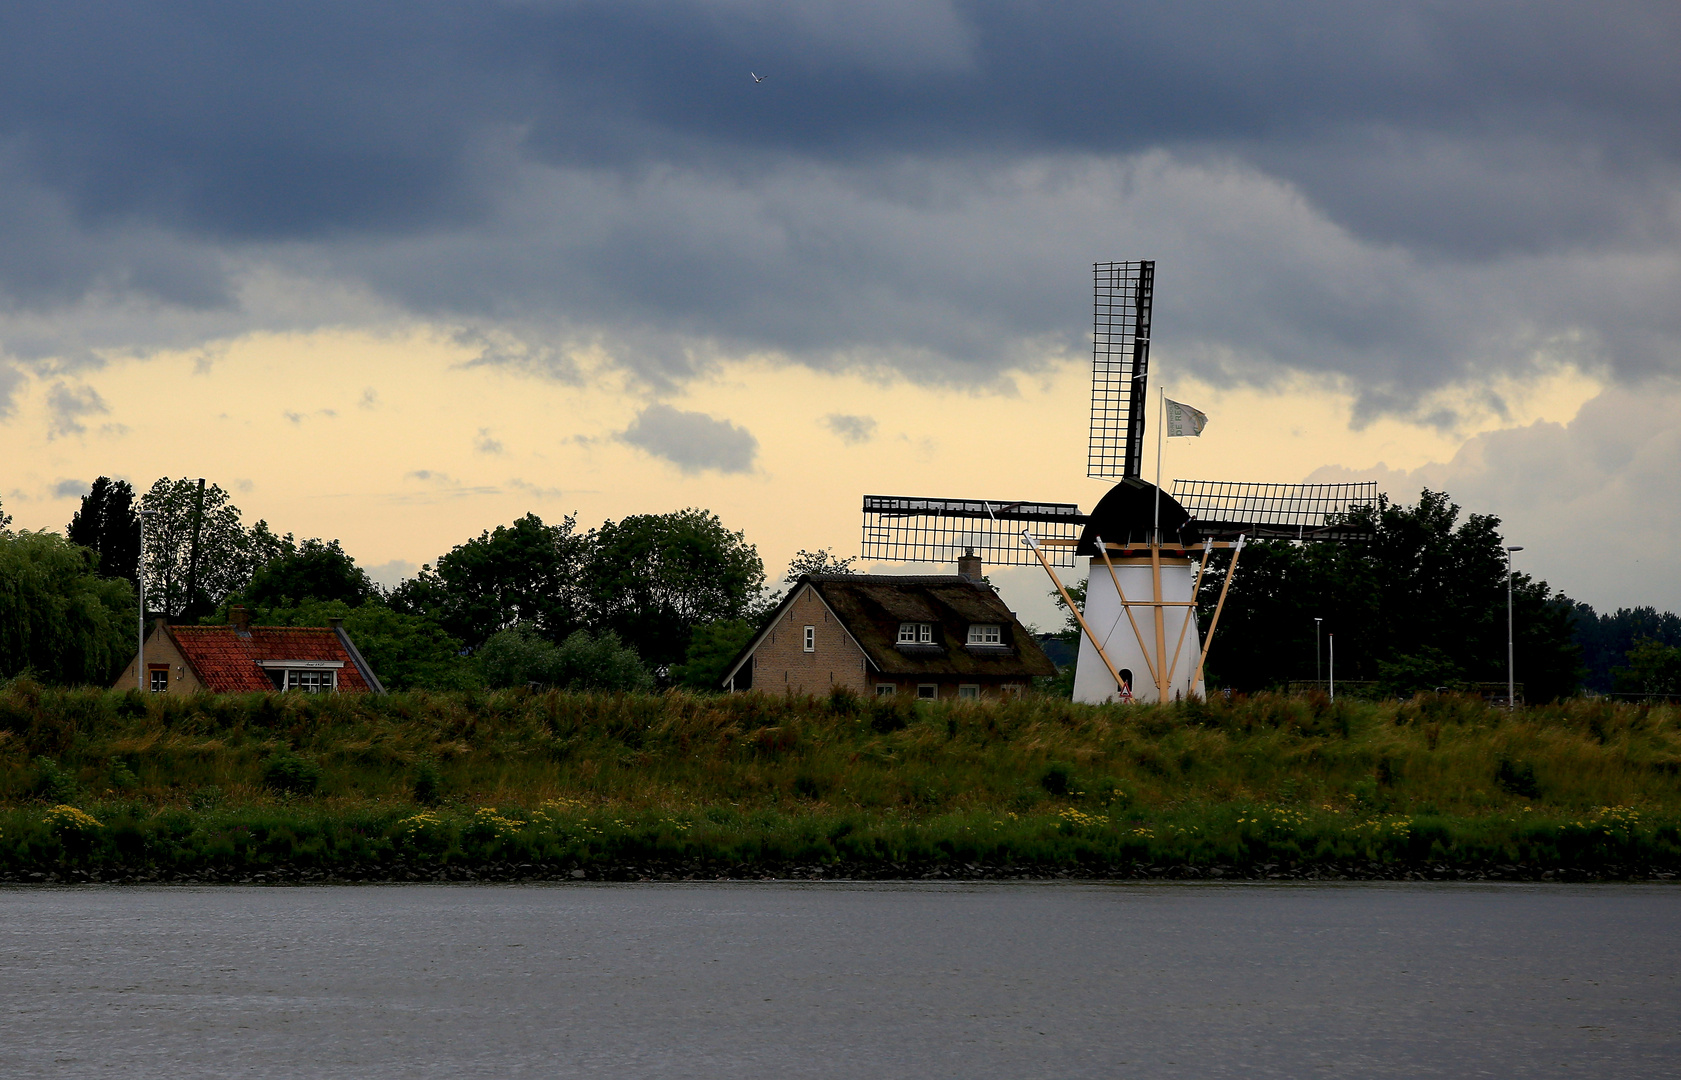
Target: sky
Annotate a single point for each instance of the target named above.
(399, 274)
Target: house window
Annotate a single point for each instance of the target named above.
(1012, 690)
(311, 682)
(985, 634)
(885, 689)
(968, 692)
(811, 639)
(916, 633)
(158, 678)
(927, 691)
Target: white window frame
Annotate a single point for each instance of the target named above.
(987, 633)
(152, 673)
(312, 680)
(969, 691)
(916, 633)
(811, 639)
(933, 691)
(886, 689)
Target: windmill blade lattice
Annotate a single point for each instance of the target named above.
(1122, 296)
(904, 529)
(1224, 508)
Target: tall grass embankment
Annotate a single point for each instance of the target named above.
(124, 786)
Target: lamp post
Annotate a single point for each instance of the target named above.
(140, 597)
(1318, 666)
(1333, 667)
(1511, 670)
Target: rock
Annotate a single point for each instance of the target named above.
(577, 875)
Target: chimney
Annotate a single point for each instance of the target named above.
(969, 566)
(239, 619)
(336, 623)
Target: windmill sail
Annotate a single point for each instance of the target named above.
(1120, 360)
(903, 529)
(1223, 508)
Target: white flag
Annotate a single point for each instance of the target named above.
(1184, 420)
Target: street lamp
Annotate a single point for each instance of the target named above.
(1318, 666)
(1511, 671)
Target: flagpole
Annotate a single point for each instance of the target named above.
(1161, 431)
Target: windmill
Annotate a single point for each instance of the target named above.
(1147, 550)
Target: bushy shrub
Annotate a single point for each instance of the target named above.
(519, 656)
(1058, 778)
(1518, 777)
(428, 783)
(53, 784)
(291, 773)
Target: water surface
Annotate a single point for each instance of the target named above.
(841, 980)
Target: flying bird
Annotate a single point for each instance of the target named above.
(759, 78)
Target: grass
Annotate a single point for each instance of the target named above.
(408, 784)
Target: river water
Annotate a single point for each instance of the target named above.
(841, 980)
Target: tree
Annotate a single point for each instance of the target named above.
(1650, 668)
(107, 525)
(309, 571)
(527, 572)
(711, 648)
(653, 578)
(407, 652)
(226, 553)
(1606, 639)
(5, 519)
(59, 619)
(1424, 598)
(521, 656)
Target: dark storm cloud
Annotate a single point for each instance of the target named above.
(1396, 192)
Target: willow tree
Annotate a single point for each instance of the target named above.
(59, 620)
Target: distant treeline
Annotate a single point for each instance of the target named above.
(660, 600)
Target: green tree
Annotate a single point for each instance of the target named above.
(653, 578)
(521, 656)
(227, 553)
(711, 649)
(1650, 668)
(525, 572)
(5, 519)
(1423, 597)
(107, 525)
(406, 651)
(311, 570)
(57, 617)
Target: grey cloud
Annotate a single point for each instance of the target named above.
(851, 429)
(70, 489)
(1404, 194)
(1559, 489)
(67, 405)
(391, 574)
(692, 441)
(484, 444)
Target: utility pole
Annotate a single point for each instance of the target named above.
(1318, 660)
(1511, 669)
(1333, 667)
(140, 590)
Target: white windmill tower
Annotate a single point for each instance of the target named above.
(1146, 550)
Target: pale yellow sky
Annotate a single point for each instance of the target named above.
(398, 448)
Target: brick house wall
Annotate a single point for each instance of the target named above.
(781, 663)
(161, 652)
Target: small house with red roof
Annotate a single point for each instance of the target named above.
(240, 658)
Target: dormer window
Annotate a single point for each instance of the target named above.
(986, 634)
(916, 633)
(309, 676)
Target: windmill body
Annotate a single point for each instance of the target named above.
(1146, 551)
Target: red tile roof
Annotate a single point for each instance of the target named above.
(227, 662)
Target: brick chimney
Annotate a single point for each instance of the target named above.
(969, 565)
(239, 619)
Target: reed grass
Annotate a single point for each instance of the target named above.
(566, 781)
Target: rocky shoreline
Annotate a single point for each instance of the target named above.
(401, 873)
